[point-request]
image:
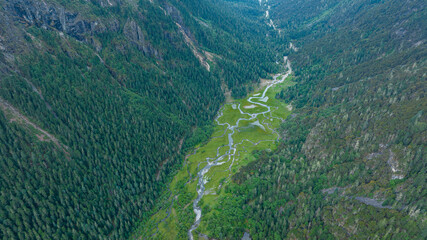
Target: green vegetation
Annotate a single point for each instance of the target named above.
(107, 115)
(248, 138)
(119, 87)
(350, 163)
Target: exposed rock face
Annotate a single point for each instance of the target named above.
(51, 16)
(55, 17)
(189, 38)
(107, 3)
(12, 43)
(134, 33)
(174, 13)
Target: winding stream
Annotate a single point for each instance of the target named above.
(230, 154)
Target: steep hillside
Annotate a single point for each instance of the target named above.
(352, 160)
(103, 102)
(101, 99)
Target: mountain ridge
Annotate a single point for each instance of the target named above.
(101, 101)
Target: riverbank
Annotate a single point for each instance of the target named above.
(242, 127)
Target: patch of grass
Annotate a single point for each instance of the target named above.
(230, 114)
(218, 131)
(249, 135)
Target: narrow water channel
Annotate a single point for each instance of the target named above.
(229, 156)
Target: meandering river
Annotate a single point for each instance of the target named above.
(229, 156)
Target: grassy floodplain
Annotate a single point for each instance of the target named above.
(174, 213)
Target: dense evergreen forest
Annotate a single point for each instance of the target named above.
(101, 100)
(351, 163)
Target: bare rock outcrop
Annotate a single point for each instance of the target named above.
(55, 17)
(136, 36)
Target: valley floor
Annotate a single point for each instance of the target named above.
(241, 127)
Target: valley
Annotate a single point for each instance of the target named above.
(241, 127)
(213, 119)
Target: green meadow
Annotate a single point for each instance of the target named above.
(174, 214)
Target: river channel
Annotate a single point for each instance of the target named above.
(230, 155)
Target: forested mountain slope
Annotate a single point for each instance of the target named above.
(101, 99)
(352, 160)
